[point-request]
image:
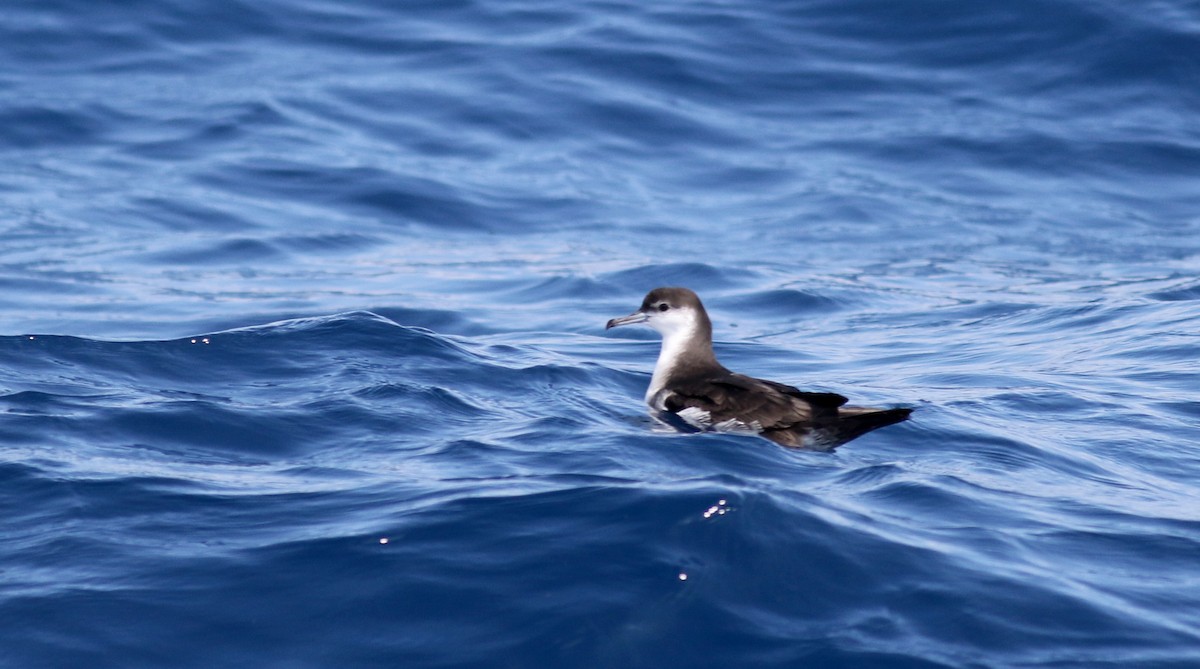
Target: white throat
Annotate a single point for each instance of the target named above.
(677, 338)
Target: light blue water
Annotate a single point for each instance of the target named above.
(303, 363)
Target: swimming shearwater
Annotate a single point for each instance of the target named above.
(689, 383)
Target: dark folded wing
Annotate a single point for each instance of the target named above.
(770, 405)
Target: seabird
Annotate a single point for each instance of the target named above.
(689, 384)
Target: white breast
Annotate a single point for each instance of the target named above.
(675, 341)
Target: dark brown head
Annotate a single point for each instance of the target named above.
(671, 311)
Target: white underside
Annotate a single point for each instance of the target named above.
(701, 419)
(675, 342)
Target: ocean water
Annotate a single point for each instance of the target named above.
(303, 361)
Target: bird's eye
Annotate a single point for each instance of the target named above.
(664, 306)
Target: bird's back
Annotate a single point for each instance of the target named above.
(785, 414)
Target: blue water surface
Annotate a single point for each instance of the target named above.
(302, 359)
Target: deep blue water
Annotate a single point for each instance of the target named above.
(302, 360)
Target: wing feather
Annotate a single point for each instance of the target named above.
(773, 406)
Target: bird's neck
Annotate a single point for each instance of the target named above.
(683, 349)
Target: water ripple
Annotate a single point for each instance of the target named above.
(304, 359)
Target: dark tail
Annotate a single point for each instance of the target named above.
(854, 422)
(851, 423)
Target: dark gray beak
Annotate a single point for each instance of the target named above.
(635, 317)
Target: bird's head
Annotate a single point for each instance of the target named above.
(671, 311)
